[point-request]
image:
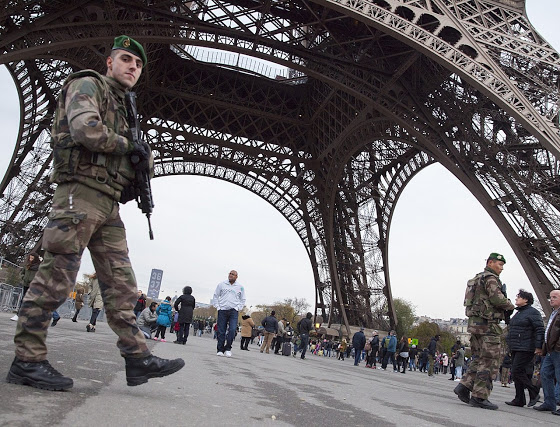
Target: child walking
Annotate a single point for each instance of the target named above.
(164, 312)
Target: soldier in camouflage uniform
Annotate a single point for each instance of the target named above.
(485, 307)
(92, 168)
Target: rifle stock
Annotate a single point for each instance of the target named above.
(141, 184)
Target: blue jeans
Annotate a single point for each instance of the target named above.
(550, 369)
(357, 357)
(226, 318)
(389, 356)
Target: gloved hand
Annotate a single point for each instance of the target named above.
(140, 157)
(128, 194)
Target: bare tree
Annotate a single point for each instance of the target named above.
(300, 305)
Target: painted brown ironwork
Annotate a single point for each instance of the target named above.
(326, 109)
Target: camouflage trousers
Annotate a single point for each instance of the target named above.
(81, 217)
(484, 365)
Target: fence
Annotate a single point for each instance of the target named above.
(10, 297)
(10, 300)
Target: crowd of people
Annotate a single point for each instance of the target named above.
(531, 362)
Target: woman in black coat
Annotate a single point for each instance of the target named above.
(185, 306)
(525, 335)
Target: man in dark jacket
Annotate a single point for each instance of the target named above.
(304, 326)
(185, 305)
(270, 330)
(432, 354)
(525, 335)
(358, 342)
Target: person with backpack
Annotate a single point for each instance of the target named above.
(390, 342)
(93, 153)
(485, 305)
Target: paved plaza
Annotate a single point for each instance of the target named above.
(248, 389)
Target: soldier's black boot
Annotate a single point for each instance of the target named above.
(463, 393)
(140, 370)
(477, 402)
(38, 374)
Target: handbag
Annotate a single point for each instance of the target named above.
(403, 354)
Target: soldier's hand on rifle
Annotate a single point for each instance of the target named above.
(140, 157)
(128, 194)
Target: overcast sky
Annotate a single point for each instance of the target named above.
(204, 227)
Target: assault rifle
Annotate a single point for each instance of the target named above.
(142, 190)
(507, 313)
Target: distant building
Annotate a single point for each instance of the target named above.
(201, 305)
(456, 326)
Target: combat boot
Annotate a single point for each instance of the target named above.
(140, 370)
(477, 402)
(38, 374)
(463, 393)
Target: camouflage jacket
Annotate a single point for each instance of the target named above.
(489, 296)
(88, 134)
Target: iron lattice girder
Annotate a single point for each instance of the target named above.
(404, 19)
(362, 77)
(476, 65)
(196, 99)
(510, 164)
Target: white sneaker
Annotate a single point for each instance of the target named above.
(228, 353)
(219, 353)
(14, 318)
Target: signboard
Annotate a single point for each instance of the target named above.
(413, 341)
(155, 283)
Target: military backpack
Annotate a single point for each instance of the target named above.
(475, 302)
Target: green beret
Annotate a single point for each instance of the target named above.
(132, 46)
(496, 256)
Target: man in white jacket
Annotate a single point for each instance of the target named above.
(229, 298)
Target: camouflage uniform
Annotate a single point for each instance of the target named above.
(91, 169)
(485, 335)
